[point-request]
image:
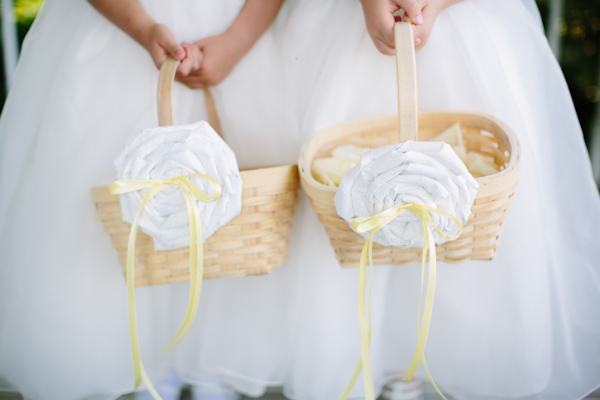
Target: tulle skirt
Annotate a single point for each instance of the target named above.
(523, 326)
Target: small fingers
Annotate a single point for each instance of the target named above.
(412, 11)
(196, 55)
(166, 40)
(192, 61)
(175, 50)
(416, 29)
(422, 32)
(178, 54)
(185, 67)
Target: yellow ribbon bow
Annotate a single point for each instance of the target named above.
(373, 224)
(155, 186)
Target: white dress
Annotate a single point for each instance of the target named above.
(82, 89)
(524, 326)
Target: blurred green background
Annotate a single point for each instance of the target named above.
(572, 28)
(578, 35)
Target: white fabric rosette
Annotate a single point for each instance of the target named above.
(171, 152)
(424, 173)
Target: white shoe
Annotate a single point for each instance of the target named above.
(400, 390)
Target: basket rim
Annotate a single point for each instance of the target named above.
(310, 184)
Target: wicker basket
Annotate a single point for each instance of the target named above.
(253, 243)
(482, 133)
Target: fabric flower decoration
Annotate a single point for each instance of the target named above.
(425, 173)
(171, 152)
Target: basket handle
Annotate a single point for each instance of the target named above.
(166, 77)
(407, 81)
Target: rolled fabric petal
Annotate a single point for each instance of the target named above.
(170, 152)
(426, 173)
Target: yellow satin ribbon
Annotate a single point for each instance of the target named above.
(155, 186)
(373, 224)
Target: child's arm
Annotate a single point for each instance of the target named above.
(379, 16)
(131, 18)
(222, 52)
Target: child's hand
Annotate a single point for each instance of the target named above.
(219, 55)
(222, 52)
(380, 19)
(160, 43)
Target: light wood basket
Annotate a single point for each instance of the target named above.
(482, 133)
(253, 243)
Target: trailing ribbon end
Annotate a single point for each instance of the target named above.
(364, 364)
(373, 224)
(196, 254)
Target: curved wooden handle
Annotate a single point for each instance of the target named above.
(166, 77)
(407, 81)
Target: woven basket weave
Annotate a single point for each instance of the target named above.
(482, 133)
(253, 243)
